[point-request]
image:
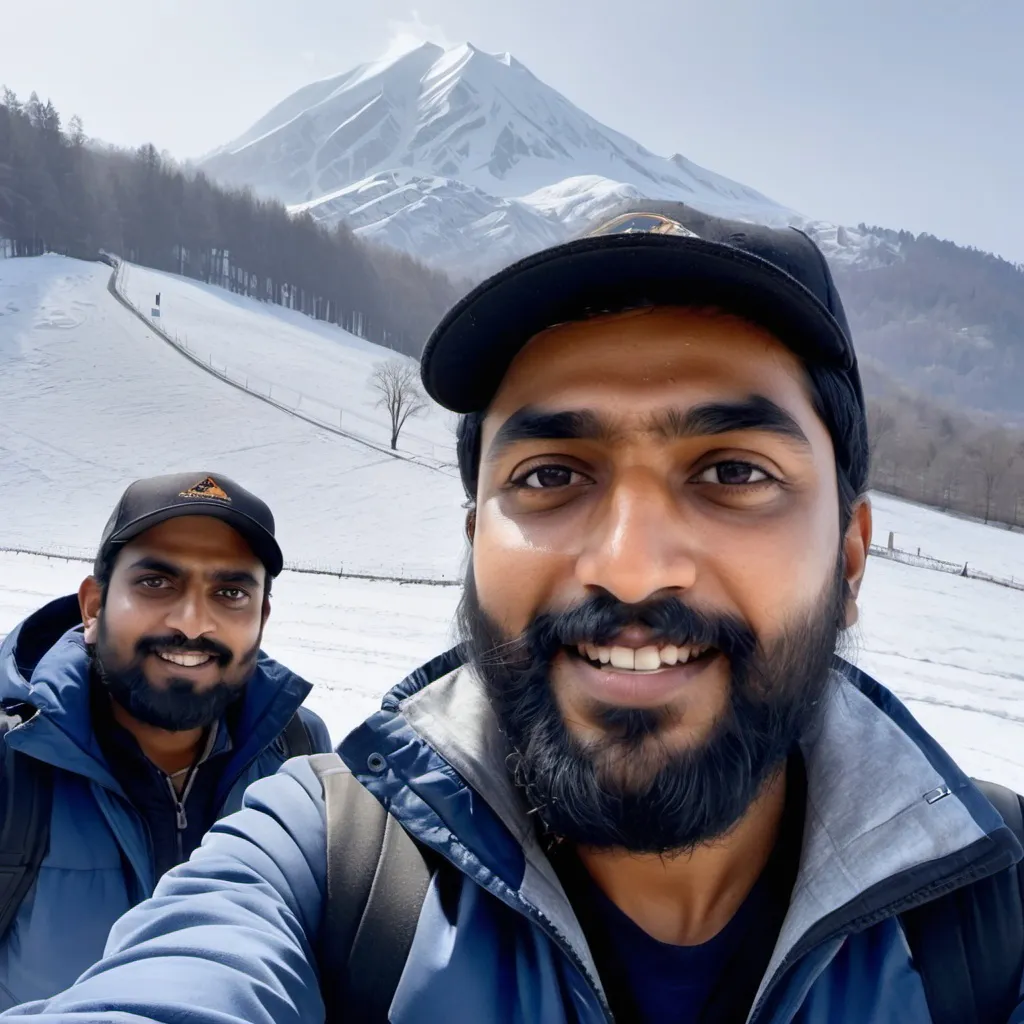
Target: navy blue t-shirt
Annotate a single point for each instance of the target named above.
(652, 982)
(660, 982)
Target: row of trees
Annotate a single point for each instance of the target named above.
(950, 461)
(61, 193)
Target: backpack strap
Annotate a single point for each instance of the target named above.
(295, 737)
(26, 795)
(968, 945)
(377, 879)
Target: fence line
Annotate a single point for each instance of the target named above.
(241, 382)
(919, 561)
(303, 568)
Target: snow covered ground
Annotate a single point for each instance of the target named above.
(91, 399)
(992, 549)
(272, 347)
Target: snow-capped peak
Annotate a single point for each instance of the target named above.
(462, 123)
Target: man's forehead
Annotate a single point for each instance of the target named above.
(193, 541)
(644, 350)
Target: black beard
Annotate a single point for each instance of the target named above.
(628, 790)
(175, 706)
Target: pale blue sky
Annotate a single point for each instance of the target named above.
(906, 113)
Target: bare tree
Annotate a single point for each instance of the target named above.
(396, 382)
(881, 423)
(994, 454)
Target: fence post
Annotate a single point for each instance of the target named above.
(891, 540)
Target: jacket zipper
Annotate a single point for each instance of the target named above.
(181, 818)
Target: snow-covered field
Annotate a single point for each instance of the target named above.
(91, 399)
(272, 347)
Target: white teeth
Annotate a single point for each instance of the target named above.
(646, 659)
(643, 659)
(623, 657)
(186, 659)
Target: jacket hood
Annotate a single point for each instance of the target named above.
(890, 818)
(44, 664)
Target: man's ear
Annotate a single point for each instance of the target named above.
(470, 525)
(265, 613)
(856, 546)
(90, 604)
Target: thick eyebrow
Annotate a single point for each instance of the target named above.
(156, 565)
(533, 424)
(753, 413)
(236, 576)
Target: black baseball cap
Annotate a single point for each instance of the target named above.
(647, 253)
(155, 500)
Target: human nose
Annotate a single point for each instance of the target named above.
(638, 545)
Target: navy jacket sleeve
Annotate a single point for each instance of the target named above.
(228, 937)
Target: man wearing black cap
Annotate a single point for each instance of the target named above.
(644, 787)
(136, 713)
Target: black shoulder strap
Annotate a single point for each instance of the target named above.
(377, 878)
(969, 944)
(25, 801)
(296, 738)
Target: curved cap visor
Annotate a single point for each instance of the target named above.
(470, 351)
(263, 545)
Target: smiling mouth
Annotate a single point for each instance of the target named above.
(186, 659)
(651, 658)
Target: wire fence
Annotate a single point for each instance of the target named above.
(306, 407)
(384, 575)
(919, 561)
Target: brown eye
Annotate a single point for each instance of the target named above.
(548, 477)
(733, 473)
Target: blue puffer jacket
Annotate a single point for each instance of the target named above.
(229, 938)
(100, 862)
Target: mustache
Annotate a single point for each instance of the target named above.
(179, 642)
(599, 619)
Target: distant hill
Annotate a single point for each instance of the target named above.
(945, 320)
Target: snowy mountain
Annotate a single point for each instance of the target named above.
(452, 153)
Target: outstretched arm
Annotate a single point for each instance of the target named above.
(228, 937)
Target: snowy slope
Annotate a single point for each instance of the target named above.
(91, 400)
(991, 549)
(313, 366)
(460, 156)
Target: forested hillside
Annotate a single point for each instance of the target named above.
(61, 193)
(943, 319)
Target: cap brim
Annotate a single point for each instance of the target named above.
(469, 352)
(263, 544)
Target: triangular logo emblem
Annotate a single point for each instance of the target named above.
(208, 488)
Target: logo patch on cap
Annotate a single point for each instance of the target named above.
(644, 224)
(208, 488)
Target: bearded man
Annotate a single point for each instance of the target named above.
(137, 712)
(644, 786)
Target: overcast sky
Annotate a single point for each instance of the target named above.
(905, 113)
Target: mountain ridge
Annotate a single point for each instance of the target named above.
(500, 159)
